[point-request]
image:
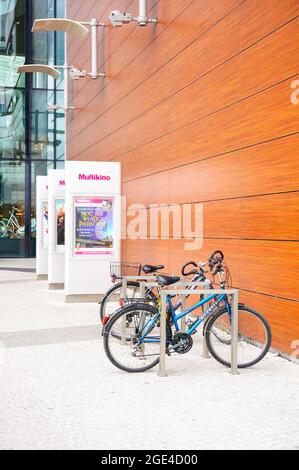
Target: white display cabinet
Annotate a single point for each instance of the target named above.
(93, 228)
(56, 248)
(42, 234)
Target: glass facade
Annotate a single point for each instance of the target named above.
(31, 137)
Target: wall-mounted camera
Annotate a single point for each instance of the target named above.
(118, 18)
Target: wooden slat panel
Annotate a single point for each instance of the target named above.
(108, 42)
(261, 217)
(192, 64)
(122, 77)
(178, 38)
(240, 125)
(261, 266)
(83, 12)
(267, 168)
(197, 109)
(229, 83)
(264, 217)
(283, 316)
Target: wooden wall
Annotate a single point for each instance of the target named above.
(197, 109)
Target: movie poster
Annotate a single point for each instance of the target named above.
(60, 219)
(94, 226)
(45, 225)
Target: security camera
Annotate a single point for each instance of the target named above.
(75, 74)
(118, 18)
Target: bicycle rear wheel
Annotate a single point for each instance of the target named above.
(254, 337)
(111, 300)
(121, 338)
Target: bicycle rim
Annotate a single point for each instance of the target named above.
(254, 337)
(121, 339)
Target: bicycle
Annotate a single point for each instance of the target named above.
(114, 295)
(121, 269)
(132, 338)
(10, 227)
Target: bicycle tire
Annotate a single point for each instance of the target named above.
(208, 332)
(116, 287)
(125, 311)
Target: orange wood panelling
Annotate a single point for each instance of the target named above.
(259, 217)
(223, 86)
(197, 109)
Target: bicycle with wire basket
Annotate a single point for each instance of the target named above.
(132, 336)
(113, 296)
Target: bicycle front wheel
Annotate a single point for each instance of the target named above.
(254, 337)
(122, 342)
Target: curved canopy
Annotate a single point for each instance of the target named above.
(60, 24)
(39, 68)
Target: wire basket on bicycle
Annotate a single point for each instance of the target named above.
(120, 269)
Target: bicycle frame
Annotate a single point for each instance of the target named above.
(150, 323)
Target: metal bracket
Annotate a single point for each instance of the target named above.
(56, 107)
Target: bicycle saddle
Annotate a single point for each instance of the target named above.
(167, 280)
(149, 268)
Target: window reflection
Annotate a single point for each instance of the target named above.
(31, 137)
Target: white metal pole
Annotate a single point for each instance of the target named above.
(66, 85)
(94, 48)
(205, 351)
(142, 9)
(183, 307)
(124, 317)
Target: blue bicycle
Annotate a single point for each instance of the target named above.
(132, 336)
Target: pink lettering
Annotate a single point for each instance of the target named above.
(83, 176)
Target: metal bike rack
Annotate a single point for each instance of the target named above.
(140, 279)
(125, 280)
(184, 283)
(149, 281)
(234, 343)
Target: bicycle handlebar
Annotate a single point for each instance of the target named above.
(215, 259)
(193, 271)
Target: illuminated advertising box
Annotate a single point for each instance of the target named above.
(92, 232)
(42, 232)
(56, 228)
(93, 226)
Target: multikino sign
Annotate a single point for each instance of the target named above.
(83, 176)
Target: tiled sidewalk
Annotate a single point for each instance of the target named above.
(58, 391)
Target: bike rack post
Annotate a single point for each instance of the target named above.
(124, 289)
(183, 307)
(162, 362)
(234, 345)
(205, 351)
(124, 318)
(164, 293)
